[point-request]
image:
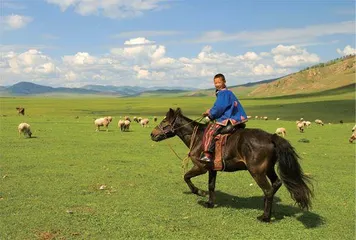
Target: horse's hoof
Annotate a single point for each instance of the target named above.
(209, 205)
(202, 193)
(262, 218)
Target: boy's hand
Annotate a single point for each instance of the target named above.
(206, 113)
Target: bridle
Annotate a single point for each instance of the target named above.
(171, 125)
(172, 131)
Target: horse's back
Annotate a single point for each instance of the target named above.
(252, 134)
(249, 145)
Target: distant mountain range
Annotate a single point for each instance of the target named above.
(28, 88)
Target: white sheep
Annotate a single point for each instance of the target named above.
(282, 131)
(353, 137)
(144, 122)
(318, 121)
(127, 125)
(300, 126)
(353, 129)
(277, 119)
(121, 124)
(25, 129)
(307, 123)
(100, 122)
(265, 118)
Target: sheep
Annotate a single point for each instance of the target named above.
(307, 123)
(300, 126)
(277, 119)
(282, 131)
(105, 121)
(135, 119)
(318, 121)
(127, 118)
(127, 125)
(144, 122)
(248, 117)
(121, 124)
(353, 137)
(265, 118)
(139, 119)
(25, 129)
(353, 129)
(256, 117)
(20, 110)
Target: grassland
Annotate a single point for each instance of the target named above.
(50, 184)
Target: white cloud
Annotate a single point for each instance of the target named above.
(12, 22)
(138, 41)
(80, 58)
(347, 50)
(135, 34)
(250, 56)
(148, 65)
(279, 36)
(261, 69)
(111, 8)
(293, 56)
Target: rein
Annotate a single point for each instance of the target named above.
(185, 161)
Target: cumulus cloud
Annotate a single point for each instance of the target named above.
(293, 56)
(12, 22)
(113, 9)
(80, 58)
(142, 62)
(347, 50)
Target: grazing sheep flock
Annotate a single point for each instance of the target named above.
(25, 129)
(124, 125)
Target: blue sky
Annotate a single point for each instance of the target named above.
(168, 43)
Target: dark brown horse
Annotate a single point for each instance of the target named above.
(246, 149)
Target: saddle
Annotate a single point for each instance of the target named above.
(220, 142)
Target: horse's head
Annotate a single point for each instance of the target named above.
(165, 129)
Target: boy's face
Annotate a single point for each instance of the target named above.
(219, 83)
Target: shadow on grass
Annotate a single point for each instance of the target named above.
(279, 211)
(30, 137)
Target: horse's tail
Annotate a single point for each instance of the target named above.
(291, 172)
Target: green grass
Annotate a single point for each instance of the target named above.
(50, 184)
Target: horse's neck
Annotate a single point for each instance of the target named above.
(187, 133)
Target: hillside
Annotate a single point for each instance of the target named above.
(323, 77)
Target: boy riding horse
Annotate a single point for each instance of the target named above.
(228, 113)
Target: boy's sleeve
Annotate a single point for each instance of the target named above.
(220, 105)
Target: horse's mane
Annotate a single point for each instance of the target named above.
(179, 113)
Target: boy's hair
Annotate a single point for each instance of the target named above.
(221, 76)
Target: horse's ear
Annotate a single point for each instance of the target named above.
(178, 111)
(170, 113)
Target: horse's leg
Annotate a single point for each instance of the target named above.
(276, 182)
(212, 180)
(264, 184)
(193, 172)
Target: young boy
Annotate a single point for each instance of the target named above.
(227, 110)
